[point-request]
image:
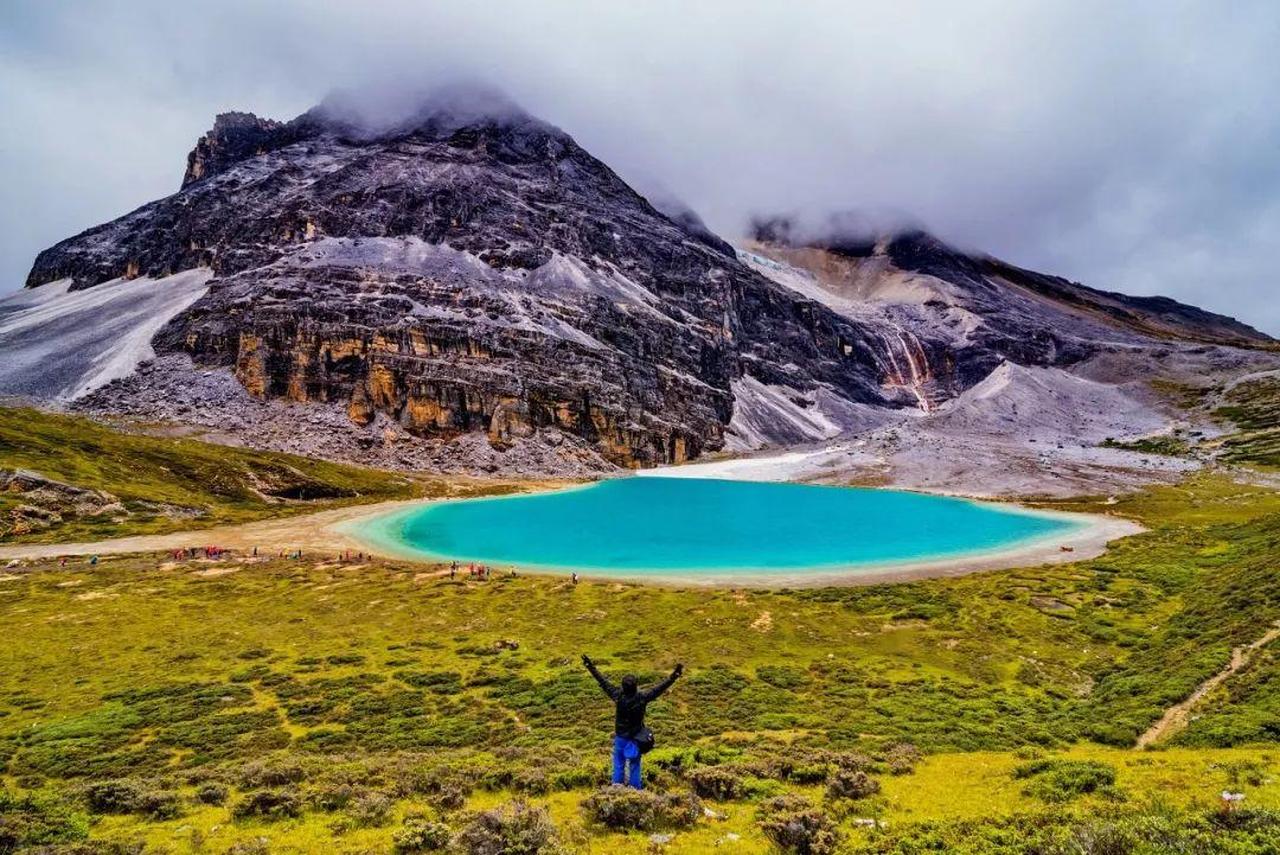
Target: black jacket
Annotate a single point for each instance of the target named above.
(628, 715)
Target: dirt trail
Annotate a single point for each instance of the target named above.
(1176, 717)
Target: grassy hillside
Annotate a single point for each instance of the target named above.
(156, 484)
(1254, 407)
(291, 706)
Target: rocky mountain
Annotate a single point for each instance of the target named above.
(468, 283)
(948, 318)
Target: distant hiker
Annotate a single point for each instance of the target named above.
(630, 737)
(575, 578)
(93, 561)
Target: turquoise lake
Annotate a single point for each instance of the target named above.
(642, 526)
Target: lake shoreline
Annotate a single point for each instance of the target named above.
(1087, 538)
(345, 529)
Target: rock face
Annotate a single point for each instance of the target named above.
(947, 319)
(468, 271)
(479, 275)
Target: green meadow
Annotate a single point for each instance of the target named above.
(237, 706)
(158, 484)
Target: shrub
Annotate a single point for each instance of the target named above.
(853, 761)
(333, 797)
(624, 808)
(370, 810)
(721, 783)
(782, 676)
(113, 796)
(38, 819)
(533, 782)
(901, 759)
(258, 774)
(809, 773)
(440, 682)
(513, 829)
(579, 777)
(1064, 780)
(793, 825)
(123, 796)
(851, 784)
(212, 793)
(449, 795)
(269, 804)
(420, 835)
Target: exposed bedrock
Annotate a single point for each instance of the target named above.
(470, 272)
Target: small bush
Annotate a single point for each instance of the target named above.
(1257, 820)
(274, 804)
(851, 784)
(256, 846)
(256, 775)
(513, 829)
(533, 782)
(1059, 781)
(450, 795)
(420, 835)
(123, 796)
(113, 796)
(782, 676)
(624, 808)
(36, 819)
(439, 682)
(212, 793)
(901, 759)
(809, 773)
(721, 783)
(793, 825)
(577, 778)
(333, 797)
(854, 762)
(370, 810)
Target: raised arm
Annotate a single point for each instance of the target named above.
(609, 689)
(652, 694)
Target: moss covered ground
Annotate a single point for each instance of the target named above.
(292, 706)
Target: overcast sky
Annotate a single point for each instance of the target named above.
(1130, 146)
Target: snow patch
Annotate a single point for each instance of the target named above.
(60, 344)
(787, 466)
(764, 415)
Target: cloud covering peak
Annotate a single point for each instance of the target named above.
(1128, 146)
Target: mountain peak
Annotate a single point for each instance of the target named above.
(233, 137)
(460, 112)
(435, 112)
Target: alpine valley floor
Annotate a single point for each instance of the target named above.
(292, 705)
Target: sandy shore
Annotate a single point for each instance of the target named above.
(317, 532)
(362, 528)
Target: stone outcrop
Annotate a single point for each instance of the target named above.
(233, 138)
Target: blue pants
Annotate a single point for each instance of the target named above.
(626, 754)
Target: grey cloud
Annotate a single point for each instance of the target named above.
(1130, 146)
